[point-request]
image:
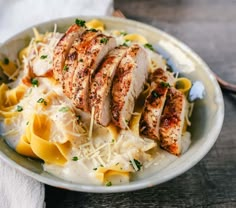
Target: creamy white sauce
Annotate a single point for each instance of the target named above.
(80, 171)
(176, 58)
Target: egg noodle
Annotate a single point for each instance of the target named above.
(38, 121)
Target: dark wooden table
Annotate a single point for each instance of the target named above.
(209, 27)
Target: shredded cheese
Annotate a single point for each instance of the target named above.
(91, 124)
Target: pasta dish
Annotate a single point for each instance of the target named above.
(96, 106)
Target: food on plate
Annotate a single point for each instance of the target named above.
(97, 106)
(128, 84)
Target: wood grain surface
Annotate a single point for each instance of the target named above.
(209, 28)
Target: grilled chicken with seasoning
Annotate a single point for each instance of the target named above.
(62, 49)
(95, 74)
(74, 59)
(128, 84)
(101, 85)
(95, 52)
(154, 103)
(172, 121)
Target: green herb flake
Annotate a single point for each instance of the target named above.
(65, 68)
(165, 84)
(137, 163)
(41, 100)
(34, 82)
(123, 33)
(43, 57)
(19, 108)
(95, 169)
(125, 44)
(80, 22)
(109, 183)
(6, 61)
(149, 46)
(75, 158)
(92, 30)
(155, 94)
(104, 40)
(64, 109)
(27, 123)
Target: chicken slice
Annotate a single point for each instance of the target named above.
(76, 54)
(96, 51)
(62, 49)
(128, 84)
(100, 87)
(172, 121)
(154, 103)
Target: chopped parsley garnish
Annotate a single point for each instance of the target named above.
(165, 84)
(155, 94)
(64, 109)
(123, 33)
(137, 163)
(112, 140)
(27, 123)
(104, 40)
(109, 183)
(125, 44)
(92, 30)
(149, 46)
(75, 158)
(80, 22)
(81, 60)
(19, 108)
(95, 169)
(65, 68)
(43, 56)
(41, 100)
(6, 61)
(34, 82)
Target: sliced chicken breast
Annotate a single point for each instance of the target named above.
(128, 84)
(172, 121)
(62, 49)
(100, 87)
(96, 51)
(75, 56)
(153, 107)
(154, 103)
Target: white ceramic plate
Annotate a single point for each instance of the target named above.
(206, 120)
